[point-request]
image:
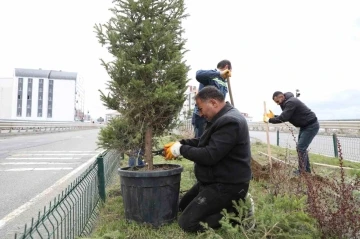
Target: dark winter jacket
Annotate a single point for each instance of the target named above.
(210, 77)
(294, 111)
(222, 154)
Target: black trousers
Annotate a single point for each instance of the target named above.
(204, 203)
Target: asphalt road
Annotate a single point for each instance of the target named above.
(36, 168)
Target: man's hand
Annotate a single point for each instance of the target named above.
(270, 114)
(225, 74)
(168, 145)
(266, 118)
(172, 150)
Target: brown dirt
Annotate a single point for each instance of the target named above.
(262, 172)
(157, 167)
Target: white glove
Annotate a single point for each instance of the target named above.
(175, 149)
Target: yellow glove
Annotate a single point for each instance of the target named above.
(225, 74)
(172, 150)
(168, 145)
(166, 148)
(266, 118)
(270, 114)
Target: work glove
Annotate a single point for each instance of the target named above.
(266, 118)
(168, 145)
(270, 114)
(225, 74)
(172, 150)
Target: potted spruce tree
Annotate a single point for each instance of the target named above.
(147, 86)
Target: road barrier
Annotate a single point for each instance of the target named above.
(30, 127)
(73, 213)
(325, 143)
(326, 127)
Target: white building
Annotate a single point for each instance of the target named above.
(41, 95)
(110, 115)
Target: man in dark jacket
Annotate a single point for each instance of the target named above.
(222, 162)
(215, 78)
(298, 114)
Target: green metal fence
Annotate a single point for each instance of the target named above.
(325, 144)
(74, 211)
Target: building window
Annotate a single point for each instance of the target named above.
(29, 98)
(50, 96)
(19, 100)
(40, 97)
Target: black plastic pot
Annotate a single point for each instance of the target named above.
(151, 196)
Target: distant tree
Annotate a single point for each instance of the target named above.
(148, 73)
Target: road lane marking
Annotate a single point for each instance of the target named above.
(48, 151)
(33, 169)
(29, 204)
(41, 163)
(40, 158)
(15, 155)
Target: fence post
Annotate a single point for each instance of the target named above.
(336, 153)
(101, 177)
(278, 137)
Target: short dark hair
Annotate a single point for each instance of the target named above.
(277, 93)
(224, 63)
(210, 92)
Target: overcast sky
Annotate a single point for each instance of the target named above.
(283, 45)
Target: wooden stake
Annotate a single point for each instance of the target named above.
(230, 92)
(148, 148)
(268, 138)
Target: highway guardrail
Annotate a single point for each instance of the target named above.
(23, 127)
